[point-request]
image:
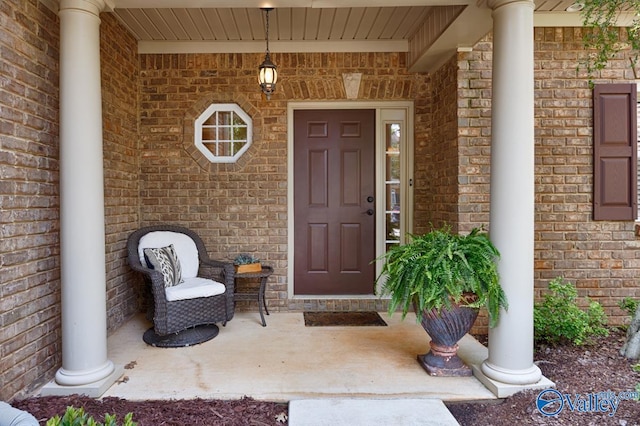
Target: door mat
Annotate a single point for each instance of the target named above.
(343, 319)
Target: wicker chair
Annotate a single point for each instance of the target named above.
(172, 319)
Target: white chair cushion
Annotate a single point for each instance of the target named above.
(185, 249)
(194, 287)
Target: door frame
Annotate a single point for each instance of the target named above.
(404, 107)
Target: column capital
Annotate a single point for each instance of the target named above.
(494, 4)
(92, 6)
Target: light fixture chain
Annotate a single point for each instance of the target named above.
(267, 32)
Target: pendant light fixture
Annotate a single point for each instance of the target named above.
(268, 74)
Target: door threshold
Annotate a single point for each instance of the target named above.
(335, 296)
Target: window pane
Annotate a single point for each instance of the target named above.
(224, 149)
(393, 196)
(393, 167)
(240, 133)
(211, 121)
(224, 134)
(393, 227)
(237, 120)
(237, 146)
(211, 147)
(208, 134)
(224, 117)
(393, 137)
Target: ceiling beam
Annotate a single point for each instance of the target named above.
(566, 19)
(274, 46)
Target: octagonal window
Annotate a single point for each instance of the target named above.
(223, 132)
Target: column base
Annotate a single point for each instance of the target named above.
(93, 390)
(80, 377)
(503, 390)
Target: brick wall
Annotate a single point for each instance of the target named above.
(436, 158)
(29, 205)
(30, 335)
(600, 257)
(474, 136)
(120, 69)
(242, 207)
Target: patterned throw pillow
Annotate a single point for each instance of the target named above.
(166, 261)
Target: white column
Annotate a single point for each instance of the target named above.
(512, 190)
(82, 229)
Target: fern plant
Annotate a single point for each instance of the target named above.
(440, 268)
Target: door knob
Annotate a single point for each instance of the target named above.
(370, 212)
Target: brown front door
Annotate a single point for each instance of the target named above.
(334, 188)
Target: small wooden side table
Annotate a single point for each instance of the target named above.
(264, 276)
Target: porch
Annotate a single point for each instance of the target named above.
(286, 361)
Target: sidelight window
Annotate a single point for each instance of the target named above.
(395, 148)
(392, 183)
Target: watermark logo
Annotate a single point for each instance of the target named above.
(551, 402)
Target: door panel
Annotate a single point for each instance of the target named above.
(318, 247)
(334, 185)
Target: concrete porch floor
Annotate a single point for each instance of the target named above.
(286, 361)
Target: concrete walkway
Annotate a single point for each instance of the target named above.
(348, 412)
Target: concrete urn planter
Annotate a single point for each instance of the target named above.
(446, 327)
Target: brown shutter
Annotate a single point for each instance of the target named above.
(615, 152)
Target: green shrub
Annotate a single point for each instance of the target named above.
(558, 319)
(77, 417)
(630, 305)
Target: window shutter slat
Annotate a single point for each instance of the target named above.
(615, 152)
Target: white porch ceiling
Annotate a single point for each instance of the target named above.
(430, 30)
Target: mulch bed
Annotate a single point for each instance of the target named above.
(582, 370)
(246, 411)
(575, 370)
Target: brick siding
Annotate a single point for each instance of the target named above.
(30, 334)
(120, 69)
(242, 207)
(436, 157)
(29, 216)
(601, 258)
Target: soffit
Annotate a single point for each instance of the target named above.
(290, 26)
(428, 29)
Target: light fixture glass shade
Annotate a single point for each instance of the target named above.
(268, 76)
(575, 7)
